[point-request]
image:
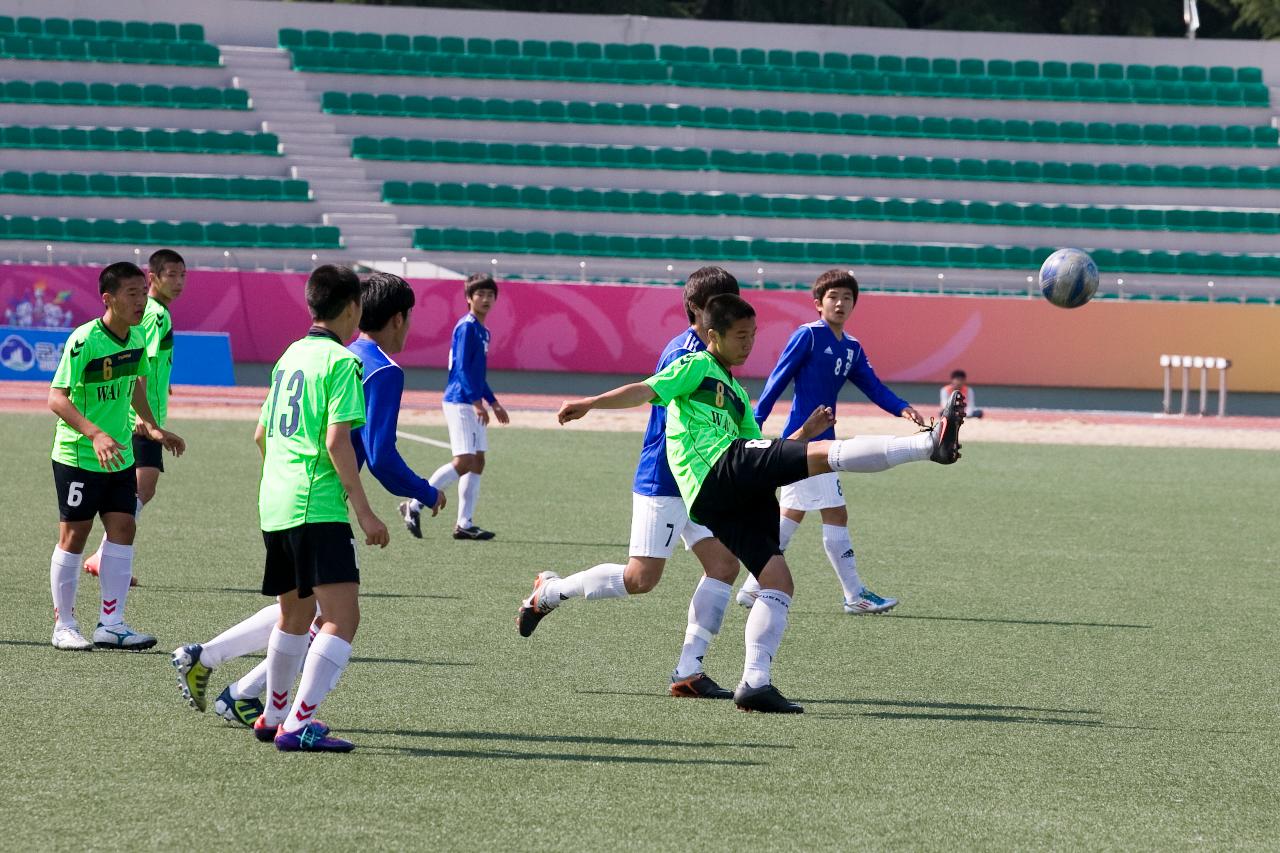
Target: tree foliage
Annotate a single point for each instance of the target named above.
(1249, 19)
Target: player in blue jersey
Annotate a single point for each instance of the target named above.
(464, 397)
(659, 519)
(819, 359)
(386, 304)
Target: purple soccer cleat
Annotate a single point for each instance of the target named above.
(313, 737)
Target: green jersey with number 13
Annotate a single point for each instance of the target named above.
(317, 382)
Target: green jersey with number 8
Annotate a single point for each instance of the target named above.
(99, 371)
(706, 411)
(317, 382)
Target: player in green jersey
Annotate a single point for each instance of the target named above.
(309, 473)
(102, 373)
(166, 278)
(728, 474)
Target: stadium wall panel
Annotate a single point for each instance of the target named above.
(585, 328)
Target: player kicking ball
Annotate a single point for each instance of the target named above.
(819, 359)
(464, 397)
(166, 278)
(101, 374)
(386, 305)
(728, 474)
(659, 520)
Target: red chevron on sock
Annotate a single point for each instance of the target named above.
(303, 706)
(279, 700)
(109, 607)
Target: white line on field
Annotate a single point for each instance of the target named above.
(423, 439)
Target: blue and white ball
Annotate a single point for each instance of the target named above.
(1068, 278)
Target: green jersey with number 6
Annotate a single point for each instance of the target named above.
(317, 382)
(706, 411)
(99, 371)
(157, 327)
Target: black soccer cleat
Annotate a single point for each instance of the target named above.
(536, 606)
(475, 533)
(698, 686)
(946, 446)
(412, 519)
(766, 700)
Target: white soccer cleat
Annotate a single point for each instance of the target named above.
(121, 636)
(746, 598)
(868, 602)
(69, 639)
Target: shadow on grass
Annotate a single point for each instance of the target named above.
(582, 739)
(47, 645)
(414, 662)
(946, 706)
(1055, 623)
(511, 755)
(237, 590)
(619, 545)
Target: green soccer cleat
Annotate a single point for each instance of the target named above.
(243, 711)
(193, 676)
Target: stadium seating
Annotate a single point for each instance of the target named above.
(779, 70)
(139, 139)
(169, 233)
(123, 95)
(830, 207)
(828, 252)
(835, 165)
(153, 186)
(797, 121)
(85, 40)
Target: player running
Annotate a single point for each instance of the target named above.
(820, 358)
(658, 520)
(166, 278)
(728, 474)
(464, 398)
(387, 302)
(101, 374)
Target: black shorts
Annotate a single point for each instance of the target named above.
(738, 501)
(83, 494)
(147, 453)
(309, 556)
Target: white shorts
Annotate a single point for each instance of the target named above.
(821, 491)
(656, 524)
(466, 434)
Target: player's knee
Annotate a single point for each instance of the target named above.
(642, 576)
(121, 529)
(146, 492)
(464, 464)
(477, 465)
(836, 516)
(72, 540)
(725, 571)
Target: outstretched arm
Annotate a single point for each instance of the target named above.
(625, 397)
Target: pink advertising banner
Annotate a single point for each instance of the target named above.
(597, 328)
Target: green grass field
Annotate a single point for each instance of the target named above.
(1084, 658)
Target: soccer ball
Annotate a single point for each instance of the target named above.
(1068, 278)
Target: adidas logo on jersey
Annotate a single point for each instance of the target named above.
(828, 351)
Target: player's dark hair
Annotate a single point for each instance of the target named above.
(330, 289)
(382, 296)
(111, 277)
(831, 279)
(480, 281)
(959, 374)
(726, 309)
(160, 257)
(705, 283)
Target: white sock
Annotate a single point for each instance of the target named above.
(751, 586)
(137, 512)
(444, 477)
(325, 662)
(64, 574)
(839, 548)
(285, 653)
(787, 528)
(114, 572)
(468, 494)
(602, 581)
(765, 625)
(867, 454)
(248, 636)
(706, 615)
(252, 684)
